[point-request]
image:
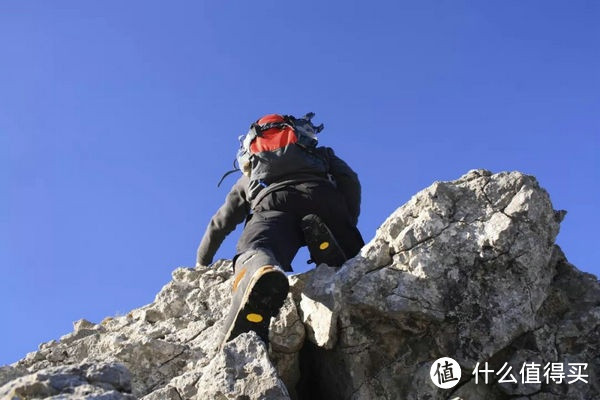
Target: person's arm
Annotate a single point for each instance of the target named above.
(347, 183)
(234, 211)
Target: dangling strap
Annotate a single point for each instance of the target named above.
(226, 175)
(235, 169)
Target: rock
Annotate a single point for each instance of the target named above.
(286, 332)
(8, 373)
(83, 381)
(166, 393)
(466, 269)
(241, 371)
(314, 292)
(82, 328)
(286, 337)
(463, 270)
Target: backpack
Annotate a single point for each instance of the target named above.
(277, 146)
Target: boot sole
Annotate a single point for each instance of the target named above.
(322, 245)
(264, 297)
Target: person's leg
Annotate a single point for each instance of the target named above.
(276, 232)
(260, 286)
(330, 206)
(347, 235)
(326, 202)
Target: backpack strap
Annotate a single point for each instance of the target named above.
(226, 175)
(258, 128)
(288, 120)
(235, 169)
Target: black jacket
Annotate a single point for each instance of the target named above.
(238, 204)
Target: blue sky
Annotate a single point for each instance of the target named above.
(117, 119)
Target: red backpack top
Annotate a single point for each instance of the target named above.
(277, 147)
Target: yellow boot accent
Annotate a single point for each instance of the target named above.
(238, 278)
(324, 245)
(254, 317)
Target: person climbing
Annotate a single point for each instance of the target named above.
(292, 193)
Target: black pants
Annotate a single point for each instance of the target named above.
(273, 235)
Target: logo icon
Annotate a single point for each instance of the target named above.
(445, 373)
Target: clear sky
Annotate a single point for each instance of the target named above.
(118, 118)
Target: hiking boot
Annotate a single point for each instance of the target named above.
(323, 247)
(257, 295)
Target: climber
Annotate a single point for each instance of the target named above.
(291, 193)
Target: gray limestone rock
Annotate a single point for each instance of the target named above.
(466, 269)
(110, 381)
(241, 371)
